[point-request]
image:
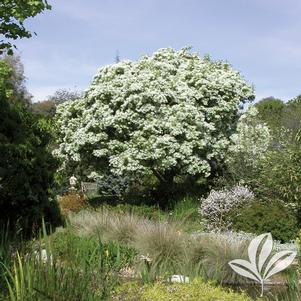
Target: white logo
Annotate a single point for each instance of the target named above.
(260, 266)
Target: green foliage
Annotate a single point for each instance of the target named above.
(4, 255)
(27, 166)
(17, 78)
(263, 216)
(279, 115)
(76, 268)
(164, 246)
(249, 144)
(186, 212)
(197, 290)
(13, 13)
(74, 249)
(280, 177)
(292, 116)
(271, 111)
(45, 108)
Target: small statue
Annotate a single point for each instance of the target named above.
(73, 182)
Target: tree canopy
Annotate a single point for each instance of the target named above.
(271, 111)
(26, 167)
(13, 13)
(17, 78)
(47, 107)
(166, 115)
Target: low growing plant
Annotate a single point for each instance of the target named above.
(197, 290)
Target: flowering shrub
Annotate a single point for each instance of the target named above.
(217, 208)
(165, 115)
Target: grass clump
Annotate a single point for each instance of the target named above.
(164, 246)
(210, 254)
(66, 267)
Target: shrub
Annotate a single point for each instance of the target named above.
(216, 209)
(262, 216)
(72, 202)
(280, 176)
(194, 291)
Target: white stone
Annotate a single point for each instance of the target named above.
(179, 278)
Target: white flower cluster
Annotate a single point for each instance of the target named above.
(217, 207)
(251, 140)
(169, 111)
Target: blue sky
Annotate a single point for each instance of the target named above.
(260, 38)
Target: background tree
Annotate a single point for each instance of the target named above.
(292, 115)
(63, 95)
(280, 116)
(13, 13)
(17, 78)
(249, 146)
(47, 107)
(27, 167)
(167, 117)
(271, 111)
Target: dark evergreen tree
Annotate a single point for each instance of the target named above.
(26, 167)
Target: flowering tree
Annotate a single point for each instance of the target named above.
(169, 114)
(249, 146)
(251, 139)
